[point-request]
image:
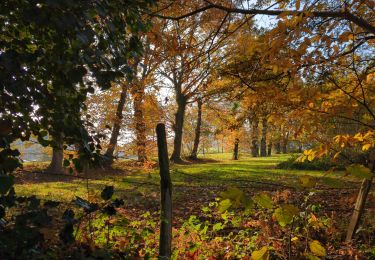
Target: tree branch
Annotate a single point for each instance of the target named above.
(333, 14)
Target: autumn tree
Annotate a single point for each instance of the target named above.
(188, 60)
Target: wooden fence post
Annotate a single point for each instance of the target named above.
(165, 242)
(358, 208)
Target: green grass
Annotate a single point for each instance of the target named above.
(221, 172)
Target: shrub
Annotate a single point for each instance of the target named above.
(322, 164)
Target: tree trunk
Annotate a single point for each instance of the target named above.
(254, 137)
(269, 152)
(194, 152)
(300, 150)
(235, 150)
(263, 141)
(178, 128)
(278, 148)
(140, 125)
(165, 241)
(284, 146)
(56, 165)
(117, 123)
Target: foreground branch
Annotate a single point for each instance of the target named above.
(346, 15)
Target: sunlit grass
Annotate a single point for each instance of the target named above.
(215, 169)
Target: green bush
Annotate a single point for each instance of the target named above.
(322, 164)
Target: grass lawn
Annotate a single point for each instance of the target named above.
(214, 170)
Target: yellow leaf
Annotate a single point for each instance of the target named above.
(311, 156)
(366, 147)
(358, 137)
(336, 156)
(317, 248)
(261, 254)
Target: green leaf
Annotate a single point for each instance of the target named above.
(248, 204)
(193, 247)
(217, 227)
(263, 200)
(261, 254)
(82, 203)
(311, 256)
(43, 133)
(317, 248)
(66, 163)
(6, 182)
(234, 194)
(224, 205)
(107, 192)
(77, 164)
(307, 181)
(285, 214)
(231, 193)
(332, 182)
(359, 171)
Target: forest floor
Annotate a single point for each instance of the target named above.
(195, 186)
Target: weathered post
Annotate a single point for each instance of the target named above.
(165, 241)
(359, 207)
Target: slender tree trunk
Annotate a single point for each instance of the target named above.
(254, 137)
(235, 150)
(140, 125)
(178, 128)
(278, 148)
(300, 150)
(263, 141)
(117, 123)
(284, 146)
(56, 165)
(269, 151)
(194, 152)
(165, 241)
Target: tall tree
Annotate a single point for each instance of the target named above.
(117, 122)
(56, 66)
(188, 60)
(143, 80)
